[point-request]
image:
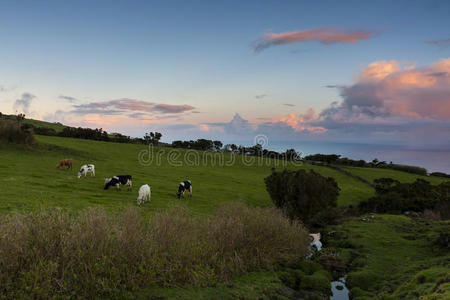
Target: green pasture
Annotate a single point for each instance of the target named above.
(30, 179)
(371, 174)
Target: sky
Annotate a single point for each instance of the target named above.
(350, 71)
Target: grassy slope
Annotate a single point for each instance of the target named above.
(371, 174)
(37, 123)
(395, 257)
(31, 180)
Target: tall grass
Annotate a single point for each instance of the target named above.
(50, 253)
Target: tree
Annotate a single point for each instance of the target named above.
(300, 194)
(20, 118)
(217, 145)
(152, 138)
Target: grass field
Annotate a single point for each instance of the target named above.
(31, 180)
(394, 257)
(58, 127)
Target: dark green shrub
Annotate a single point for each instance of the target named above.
(392, 196)
(319, 281)
(440, 174)
(362, 279)
(309, 267)
(291, 277)
(409, 169)
(300, 194)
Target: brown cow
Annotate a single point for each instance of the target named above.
(65, 162)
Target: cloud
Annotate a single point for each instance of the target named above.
(68, 98)
(5, 89)
(260, 96)
(385, 89)
(237, 126)
(172, 109)
(23, 103)
(299, 122)
(388, 102)
(442, 43)
(288, 104)
(324, 35)
(126, 105)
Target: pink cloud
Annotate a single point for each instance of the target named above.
(324, 35)
(124, 105)
(301, 122)
(168, 108)
(418, 93)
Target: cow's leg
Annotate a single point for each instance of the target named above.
(190, 191)
(118, 186)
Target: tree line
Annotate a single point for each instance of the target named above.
(334, 159)
(217, 146)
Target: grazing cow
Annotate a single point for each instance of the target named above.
(118, 180)
(65, 163)
(144, 194)
(183, 187)
(87, 169)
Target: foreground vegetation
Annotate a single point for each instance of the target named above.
(94, 254)
(105, 238)
(393, 257)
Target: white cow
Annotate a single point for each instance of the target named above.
(86, 169)
(144, 194)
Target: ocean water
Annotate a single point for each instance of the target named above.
(432, 160)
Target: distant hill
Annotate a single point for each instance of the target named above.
(58, 127)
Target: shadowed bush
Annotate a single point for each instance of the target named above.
(303, 195)
(392, 196)
(50, 253)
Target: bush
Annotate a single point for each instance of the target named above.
(362, 279)
(393, 196)
(300, 194)
(409, 169)
(11, 132)
(52, 254)
(319, 281)
(440, 174)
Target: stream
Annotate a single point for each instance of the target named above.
(339, 290)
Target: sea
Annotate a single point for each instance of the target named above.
(432, 160)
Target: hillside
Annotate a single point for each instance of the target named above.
(58, 127)
(30, 181)
(214, 184)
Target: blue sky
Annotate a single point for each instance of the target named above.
(194, 61)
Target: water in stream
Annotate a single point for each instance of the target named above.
(339, 290)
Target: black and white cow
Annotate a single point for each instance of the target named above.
(118, 180)
(183, 187)
(85, 169)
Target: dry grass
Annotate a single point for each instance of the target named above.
(50, 253)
